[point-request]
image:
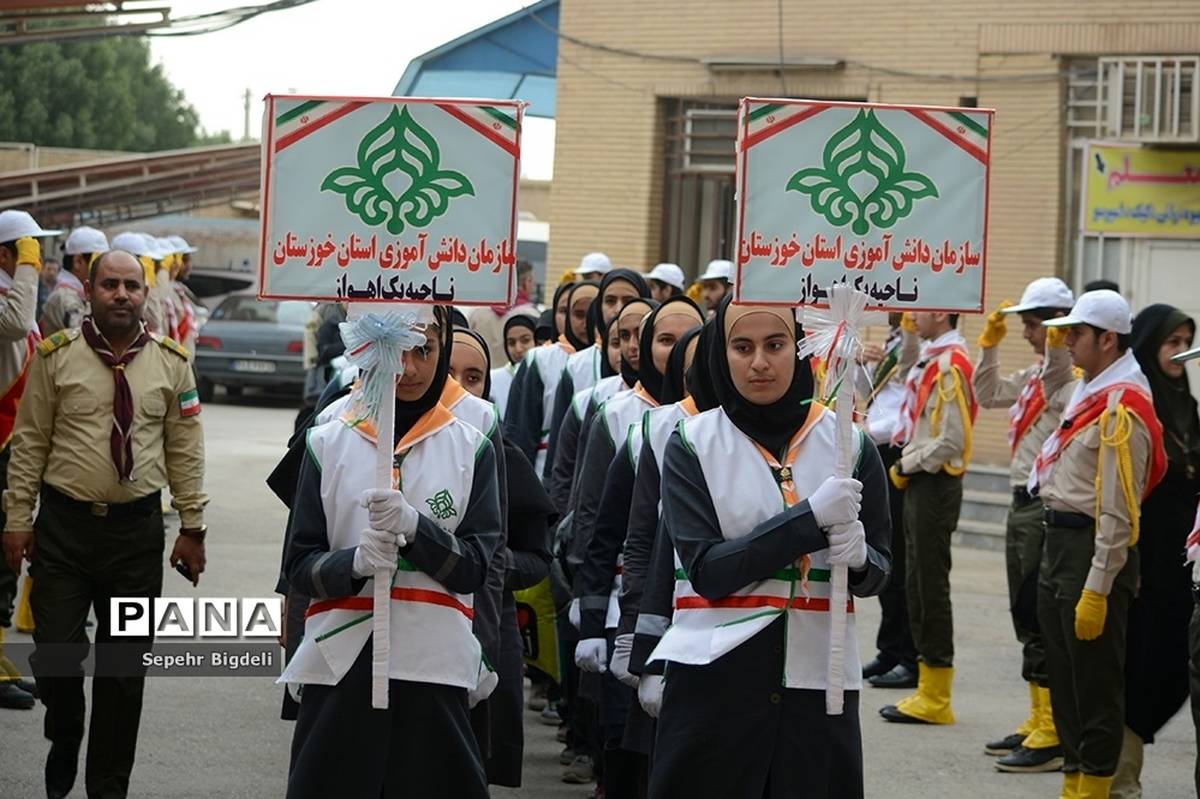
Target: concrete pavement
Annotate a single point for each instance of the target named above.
(222, 737)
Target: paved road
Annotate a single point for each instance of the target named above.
(222, 737)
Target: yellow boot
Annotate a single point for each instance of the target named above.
(1030, 723)
(24, 617)
(931, 704)
(1045, 734)
(1093, 787)
(1009, 743)
(1070, 789)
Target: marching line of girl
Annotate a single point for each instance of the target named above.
(664, 475)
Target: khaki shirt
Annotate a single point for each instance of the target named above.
(63, 308)
(927, 452)
(1071, 487)
(994, 391)
(66, 417)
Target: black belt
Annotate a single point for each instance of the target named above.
(142, 506)
(1071, 521)
(1021, 495)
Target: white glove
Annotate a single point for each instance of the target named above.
(847, 545)
(389, 510)
(650, 694)
(1196, 572)
(573, 614)
(836, 501)
(488, 680)
(622, 649)
(591, 654)
(377, 549)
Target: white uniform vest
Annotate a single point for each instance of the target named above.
(478, 413)
(430, 625)
(584, 368)
(502, 380)
(621, 415)
(605, 389)
(745, 493)
(549, 362)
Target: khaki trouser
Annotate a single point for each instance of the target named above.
(931, 506)
(1087, 678)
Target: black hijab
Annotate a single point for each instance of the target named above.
(674, 380)
(1173, 401)
(577, 342)
(518, 320)
(563, 288)
(649, 376)
(544, 332)
(483, 350)
(628, 373)
(606, 369)
(699, 377)
(407, 413)
(629, 276)
(772, 425)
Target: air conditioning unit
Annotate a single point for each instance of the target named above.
(1149, 98)
(710, 140)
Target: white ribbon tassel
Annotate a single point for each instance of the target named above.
(376, 340)
(832, 335)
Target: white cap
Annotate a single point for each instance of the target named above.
(1045, 292)
(718, 270)
(1104, 309)
(670, 274)
(19, 224)
(136, 243)
(180, 244)
(85, 240)
(1190, 355)
(165, 247)
(594, 263)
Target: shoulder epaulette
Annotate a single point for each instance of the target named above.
(57, 340)
(168, 343)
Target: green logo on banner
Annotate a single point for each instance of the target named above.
(441, 505)
(862, 181)
(398, 144)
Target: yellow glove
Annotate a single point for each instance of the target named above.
(147, 270)
(1089, 615)
(899, 480)
(694, 293)
(29, 251)
(995, 328)
(567, 277)
(907, 323)
(1056, 337)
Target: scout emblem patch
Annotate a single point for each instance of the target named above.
(441, 505)
(189, 403)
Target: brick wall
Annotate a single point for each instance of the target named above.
(607, 188)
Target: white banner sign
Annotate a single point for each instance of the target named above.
(891, 200)
(391, 199)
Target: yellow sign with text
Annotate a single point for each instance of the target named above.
(1134, 191)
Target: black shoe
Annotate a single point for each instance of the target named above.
(892, 713)
(61, 765)
(28, 686)
(880, 665)
(1005, 745)
(1031, 761)
(899, 677)
(13, 697)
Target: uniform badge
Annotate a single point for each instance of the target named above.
(189, 403)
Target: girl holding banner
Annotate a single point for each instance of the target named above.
(743, 711)
(438, 526)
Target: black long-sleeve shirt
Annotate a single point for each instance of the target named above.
(595, 573)
(458, 560)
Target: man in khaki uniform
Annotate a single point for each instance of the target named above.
(1034, 398)
(67, 304)
(111, 417)
(1091, 476)
(936, 417)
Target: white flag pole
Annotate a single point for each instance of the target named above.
(376, 339)
(833, 335)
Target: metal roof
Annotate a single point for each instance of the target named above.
(514, 57)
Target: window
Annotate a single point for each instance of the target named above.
(698, 213)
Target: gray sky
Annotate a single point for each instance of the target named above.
(339, 47)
